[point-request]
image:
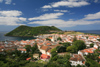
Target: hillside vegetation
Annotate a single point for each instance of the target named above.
(26, 31)
(76, 33)
(69, 33)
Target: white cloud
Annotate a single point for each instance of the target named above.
(69, 3)
(11, 21)
(10, 13)
(61, 10)
(22, 19)
(1, 1)
(8, 1)
(14, 3)
(93, 16)
(47, 6)
(62, 23)
(11, 17)
(70, 23)
(95, 1)
(47, 16)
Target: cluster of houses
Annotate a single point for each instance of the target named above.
(7, 46)
(45, 46)
(21, 44)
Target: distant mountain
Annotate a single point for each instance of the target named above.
(26, 31)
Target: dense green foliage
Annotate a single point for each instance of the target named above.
(91, 45)
(54, 52)
(59, 61)
(33, 64)
(75, 39)
(98, 39)
(18, 59)
(13, 59)
(92, 60)
(25, 31)
(61, 49)
(80, 44)
(91, 63)
(66, 44)
(77, 45)
(48, 39)
(59, 38)
(28, 47)
(72, 49)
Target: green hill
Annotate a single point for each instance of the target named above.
(26, 31)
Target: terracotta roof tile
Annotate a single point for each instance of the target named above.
(44, 47)
(77, 57)
(44, 56)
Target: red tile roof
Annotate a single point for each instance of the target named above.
(89, 50)
(22, 49)
(28, 58)
(48, 44)
(44, 56)
(99, 57)
(44, 47)
(77, 57)
(49, 50)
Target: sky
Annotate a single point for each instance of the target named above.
(64, 14)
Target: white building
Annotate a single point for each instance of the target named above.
(77, 59)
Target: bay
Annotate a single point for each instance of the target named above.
(3, 38)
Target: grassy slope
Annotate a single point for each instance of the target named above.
(69, 33)
(77, 33)
(26, 31)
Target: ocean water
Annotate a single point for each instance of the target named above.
(91, 31)
(3, 38)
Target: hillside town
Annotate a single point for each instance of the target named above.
(47, 42)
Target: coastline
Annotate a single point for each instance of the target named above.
(13, 38)
(63, 33)
(18, 36)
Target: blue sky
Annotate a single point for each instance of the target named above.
(64, 14)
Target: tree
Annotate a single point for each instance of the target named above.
(28, 48)
(60, 49)
(34, 48)
(2, 64)
(17, 53)
(93, 56)
(79, 44)
(59, 38)
(80, 66)
(64, 60)
(3, 57)
(91, 45)
(91, 63)
(54, 52)
(87, 37)
(52, 64)
(54, 58)
(98, 39)
(66, 44)
(48, 39)
(72, 49)
(75, 39)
